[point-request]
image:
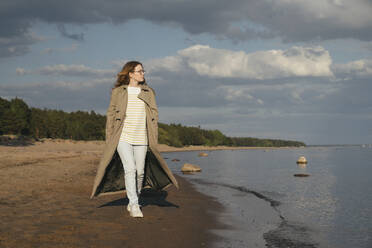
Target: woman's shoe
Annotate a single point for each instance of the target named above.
(135, 211)
(128, 207)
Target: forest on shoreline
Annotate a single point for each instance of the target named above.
(17, 118)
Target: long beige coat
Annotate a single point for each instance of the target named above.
(110, 173)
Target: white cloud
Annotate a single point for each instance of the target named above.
(83, 84)
(74, 70)
(296, 94)
(357, 68)
(233, 94)
(68, 70)
(21, 71)
(282, 95)
(62, 84)
(169, 63)
(271, 64)
(238, 95)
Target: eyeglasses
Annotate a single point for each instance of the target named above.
(140, 71)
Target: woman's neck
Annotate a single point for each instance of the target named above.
(133, 84)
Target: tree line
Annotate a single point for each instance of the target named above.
(17, 118)
(178, 136)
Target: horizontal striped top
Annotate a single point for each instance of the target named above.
(134, 130)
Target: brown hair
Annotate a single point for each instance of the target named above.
(123, 75)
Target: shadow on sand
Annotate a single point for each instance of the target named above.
(148, 197)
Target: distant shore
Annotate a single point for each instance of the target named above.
(166, 148)
(12, 141)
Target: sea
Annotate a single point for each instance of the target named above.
(265, 205)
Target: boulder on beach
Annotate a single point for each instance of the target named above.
(301, 160)
(190, 168)
(203, 154)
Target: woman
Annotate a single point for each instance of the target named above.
(131, 141)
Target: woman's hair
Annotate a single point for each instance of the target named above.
(123, 75)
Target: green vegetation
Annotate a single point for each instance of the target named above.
(17, 118)
(178, 136)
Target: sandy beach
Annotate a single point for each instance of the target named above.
(44, 202)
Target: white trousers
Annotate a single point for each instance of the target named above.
(133, 160)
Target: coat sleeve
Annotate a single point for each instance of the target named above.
(110, 115)
(154, 110)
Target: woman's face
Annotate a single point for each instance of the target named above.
(138, 74)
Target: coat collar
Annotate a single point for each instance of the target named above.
(144, 87)
(143, 95)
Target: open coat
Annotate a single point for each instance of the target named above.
(110, 173)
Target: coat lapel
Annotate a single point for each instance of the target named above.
(144, 95)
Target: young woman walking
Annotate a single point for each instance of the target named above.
(131, 160)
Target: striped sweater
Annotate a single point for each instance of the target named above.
(134, 130)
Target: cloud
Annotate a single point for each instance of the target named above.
(238, 95)
(271, 64)
(21, 71)
(83, 84)
(87, 94)
(313, 109)
(301, 20)
(296, 94)
(291, 93)
(17, 45)
(233, 94)
(64, 33)
(290, 20)
(204, 76)
(68, 70)
(66, 95)
(299, 80)
(358, 68)
(61, 84)
(71, 48)
(168, 63)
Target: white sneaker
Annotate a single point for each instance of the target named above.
(128, 207)
(135, 211)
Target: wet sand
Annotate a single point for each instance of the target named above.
(44, 202)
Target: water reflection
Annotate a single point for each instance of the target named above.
(333, 202)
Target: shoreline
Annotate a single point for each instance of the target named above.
(14, 142)
(166, 148)
(45, 203)
(52, 180)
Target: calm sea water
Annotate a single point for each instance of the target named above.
(330, 208)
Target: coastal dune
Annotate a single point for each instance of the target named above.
(44, 202)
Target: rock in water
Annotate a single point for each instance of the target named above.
(203, 154)
(301, 160)
(301, 175)
(190, 168)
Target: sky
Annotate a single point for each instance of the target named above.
(278, 69)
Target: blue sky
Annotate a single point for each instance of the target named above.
(285, 69)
